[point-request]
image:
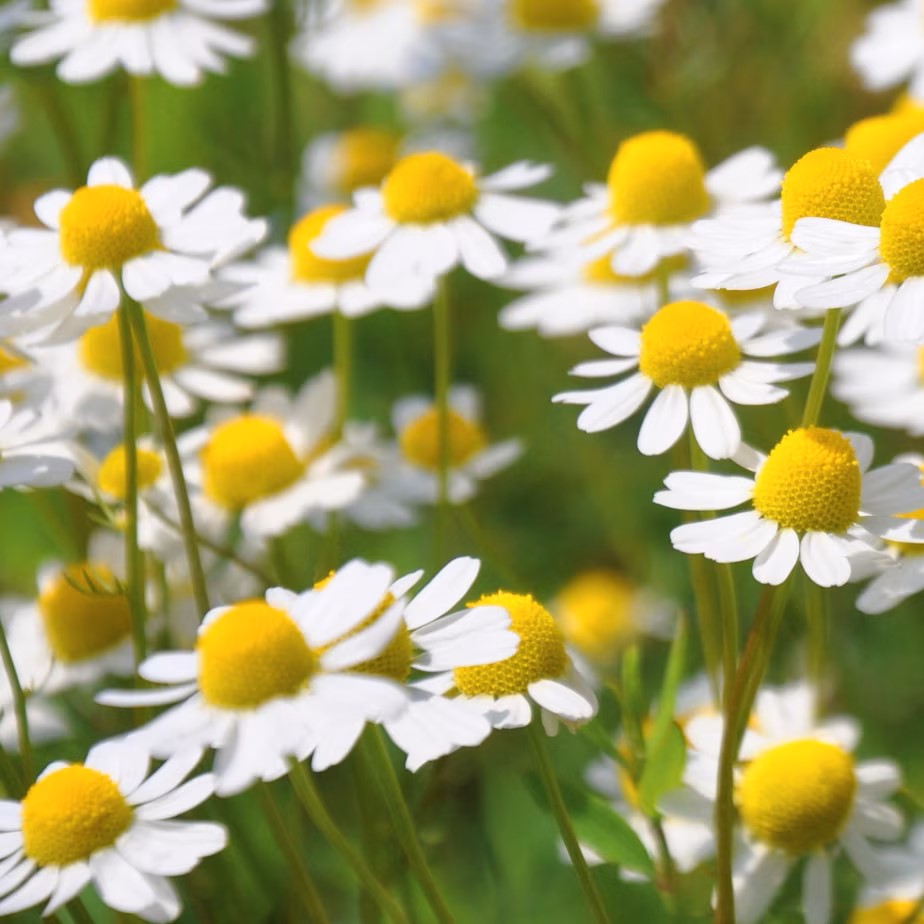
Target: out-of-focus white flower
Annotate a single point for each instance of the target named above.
(891, 51)
(33, 453)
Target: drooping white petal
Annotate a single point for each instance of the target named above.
(665, 421)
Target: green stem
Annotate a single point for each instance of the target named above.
(19, 707)
(738, 704)
(9, 775)
(78, 911)
(310, 799)
(376, 754)
(174, 463)
(565, 828)
(280, 25)
(822, 373)
(816, 614)
(133, 560)
(343, 365)
(442, 377)
(667, 870)
(302, 878)
(139, 150)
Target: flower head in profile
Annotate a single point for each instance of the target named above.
(700, 361)
(111, 823)
(178, 40)
(159, 243)
(812, 500)
(337, 164)
(432, 214)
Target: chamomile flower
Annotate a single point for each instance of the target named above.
(801, 797)
(896, 900)
(209, 362)
(541, 672)
(700, 360)
(572, 294)
(111, 823)
(471, 457)
(336, 164)
(178, 40)
(891, 51)
(433, 213)
(23, 381)
(292, 283)
(159, 243)
(656, 188)
(263, 670)
(33, 453)
(271, 464)
(433, 637)
(811, 500)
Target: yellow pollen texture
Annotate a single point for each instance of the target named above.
(247, 458)
(554, 15)
(82, 618)
(830, 183)
(596, 611)
(797, 796)
(112, 479)
(420, 440)
(103, 227)
(688, 343)
(879, 138)
(100, 348)
(540, 654)
(364, 158)
(306, 265)
(427, 188)
(71, 813)
(128, 10)
(657, 178)
(901, 242)
(897, 911)
(810, 482)
(250, 654)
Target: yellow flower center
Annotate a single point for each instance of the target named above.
(306, 265)
(250, 654)
(103, 227)
(427, 188)
(100, 348)
(364, 156)
(688, 344)
(797, 796)
(901, 242)
(420, 439)
(540, 654)
(82, 614)
(247, 458)
(10, 361)
(554, 15)
(596, 611)
(810, 482)
(657, 178)
(896, 911)
(830, 183)
(128, 10)
(111, 477)
(71, 813)
(879, 138)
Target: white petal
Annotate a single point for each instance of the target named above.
(665, 421)
(824, 560)
(816, 890)
(714, 423)
(704, 491)
(776, 561)
(904, 317)
(443, 592)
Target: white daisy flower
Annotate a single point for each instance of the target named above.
(264, 670)
(656, 188)
(111, 823)
(749, 248)
(541, 672)
(800, 797)
(570, 294)
(891, 51)
(178, 40)
(24, 382)
(471, 457)
(811, 500)
(432, 214)
(287, 284)
(33, 453)
(433, 637)
(700, 360)
(897, 900)
(271, 465)
(159, 243)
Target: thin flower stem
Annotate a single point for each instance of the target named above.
(343, 369)
(310, 799)
(667, 869)
(302, 878)
(822, 373)
(442, 376)
(816, 614)
(78, 911)
(565, 828)
(376, 754)
(9, 775)
(280, 26)
(738, 705)
(165, 424)
(19, 707)
(139, 149)
(134, 563)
